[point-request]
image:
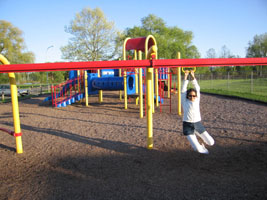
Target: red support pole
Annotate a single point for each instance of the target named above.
(7, 131)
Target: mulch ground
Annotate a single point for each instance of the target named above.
(99, 152)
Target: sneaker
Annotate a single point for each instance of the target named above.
(202, 149)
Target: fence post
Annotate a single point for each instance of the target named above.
(3, 96)
(211, 77)
(251, 82)
(41, 89)
(228, 77)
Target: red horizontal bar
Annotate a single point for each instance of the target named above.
(207, 62)
(66, 66)
(92, 65)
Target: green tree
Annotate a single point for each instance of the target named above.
(258, 48)
(57, 76)
(170, 40)
(226, 53)
(36, 76)
(94, 38)
(12, 46)
(211, 53)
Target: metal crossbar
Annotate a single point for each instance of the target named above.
(66, 66)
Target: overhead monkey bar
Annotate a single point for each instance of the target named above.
(91, 65)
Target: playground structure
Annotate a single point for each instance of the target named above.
(73, 90)
(145, 45)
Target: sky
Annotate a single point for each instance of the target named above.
(214, 23)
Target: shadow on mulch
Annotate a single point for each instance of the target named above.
(132, 172)
(232, 173)
(2, 146)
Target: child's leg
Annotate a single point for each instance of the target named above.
(205, 136)
(195, 144)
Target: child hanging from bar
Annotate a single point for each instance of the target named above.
(192, 125)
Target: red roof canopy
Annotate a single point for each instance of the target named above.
(138, 44)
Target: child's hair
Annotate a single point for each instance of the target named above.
(189, 91)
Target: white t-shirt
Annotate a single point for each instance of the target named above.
(191, 108)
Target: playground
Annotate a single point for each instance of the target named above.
(99, 152)
(84, 141)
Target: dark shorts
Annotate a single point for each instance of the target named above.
(189, 128)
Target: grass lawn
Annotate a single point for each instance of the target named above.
(245, 88)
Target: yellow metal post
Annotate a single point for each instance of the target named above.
(179, 86)
(100, 92)
(78, 76)
(156, 87)
(79, 84)
(136, 79)
(169, 83)
(135, 73)
(125, 89)
(157, 82)
(140, 87)
(150, 96)
(86, 88)
(153, 93)
(149, 80)
(120, 90)
(15, 107)
(149, 90)
(148, 53)
(125, 73)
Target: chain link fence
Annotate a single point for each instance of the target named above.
(251, 85)
(33, 90)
